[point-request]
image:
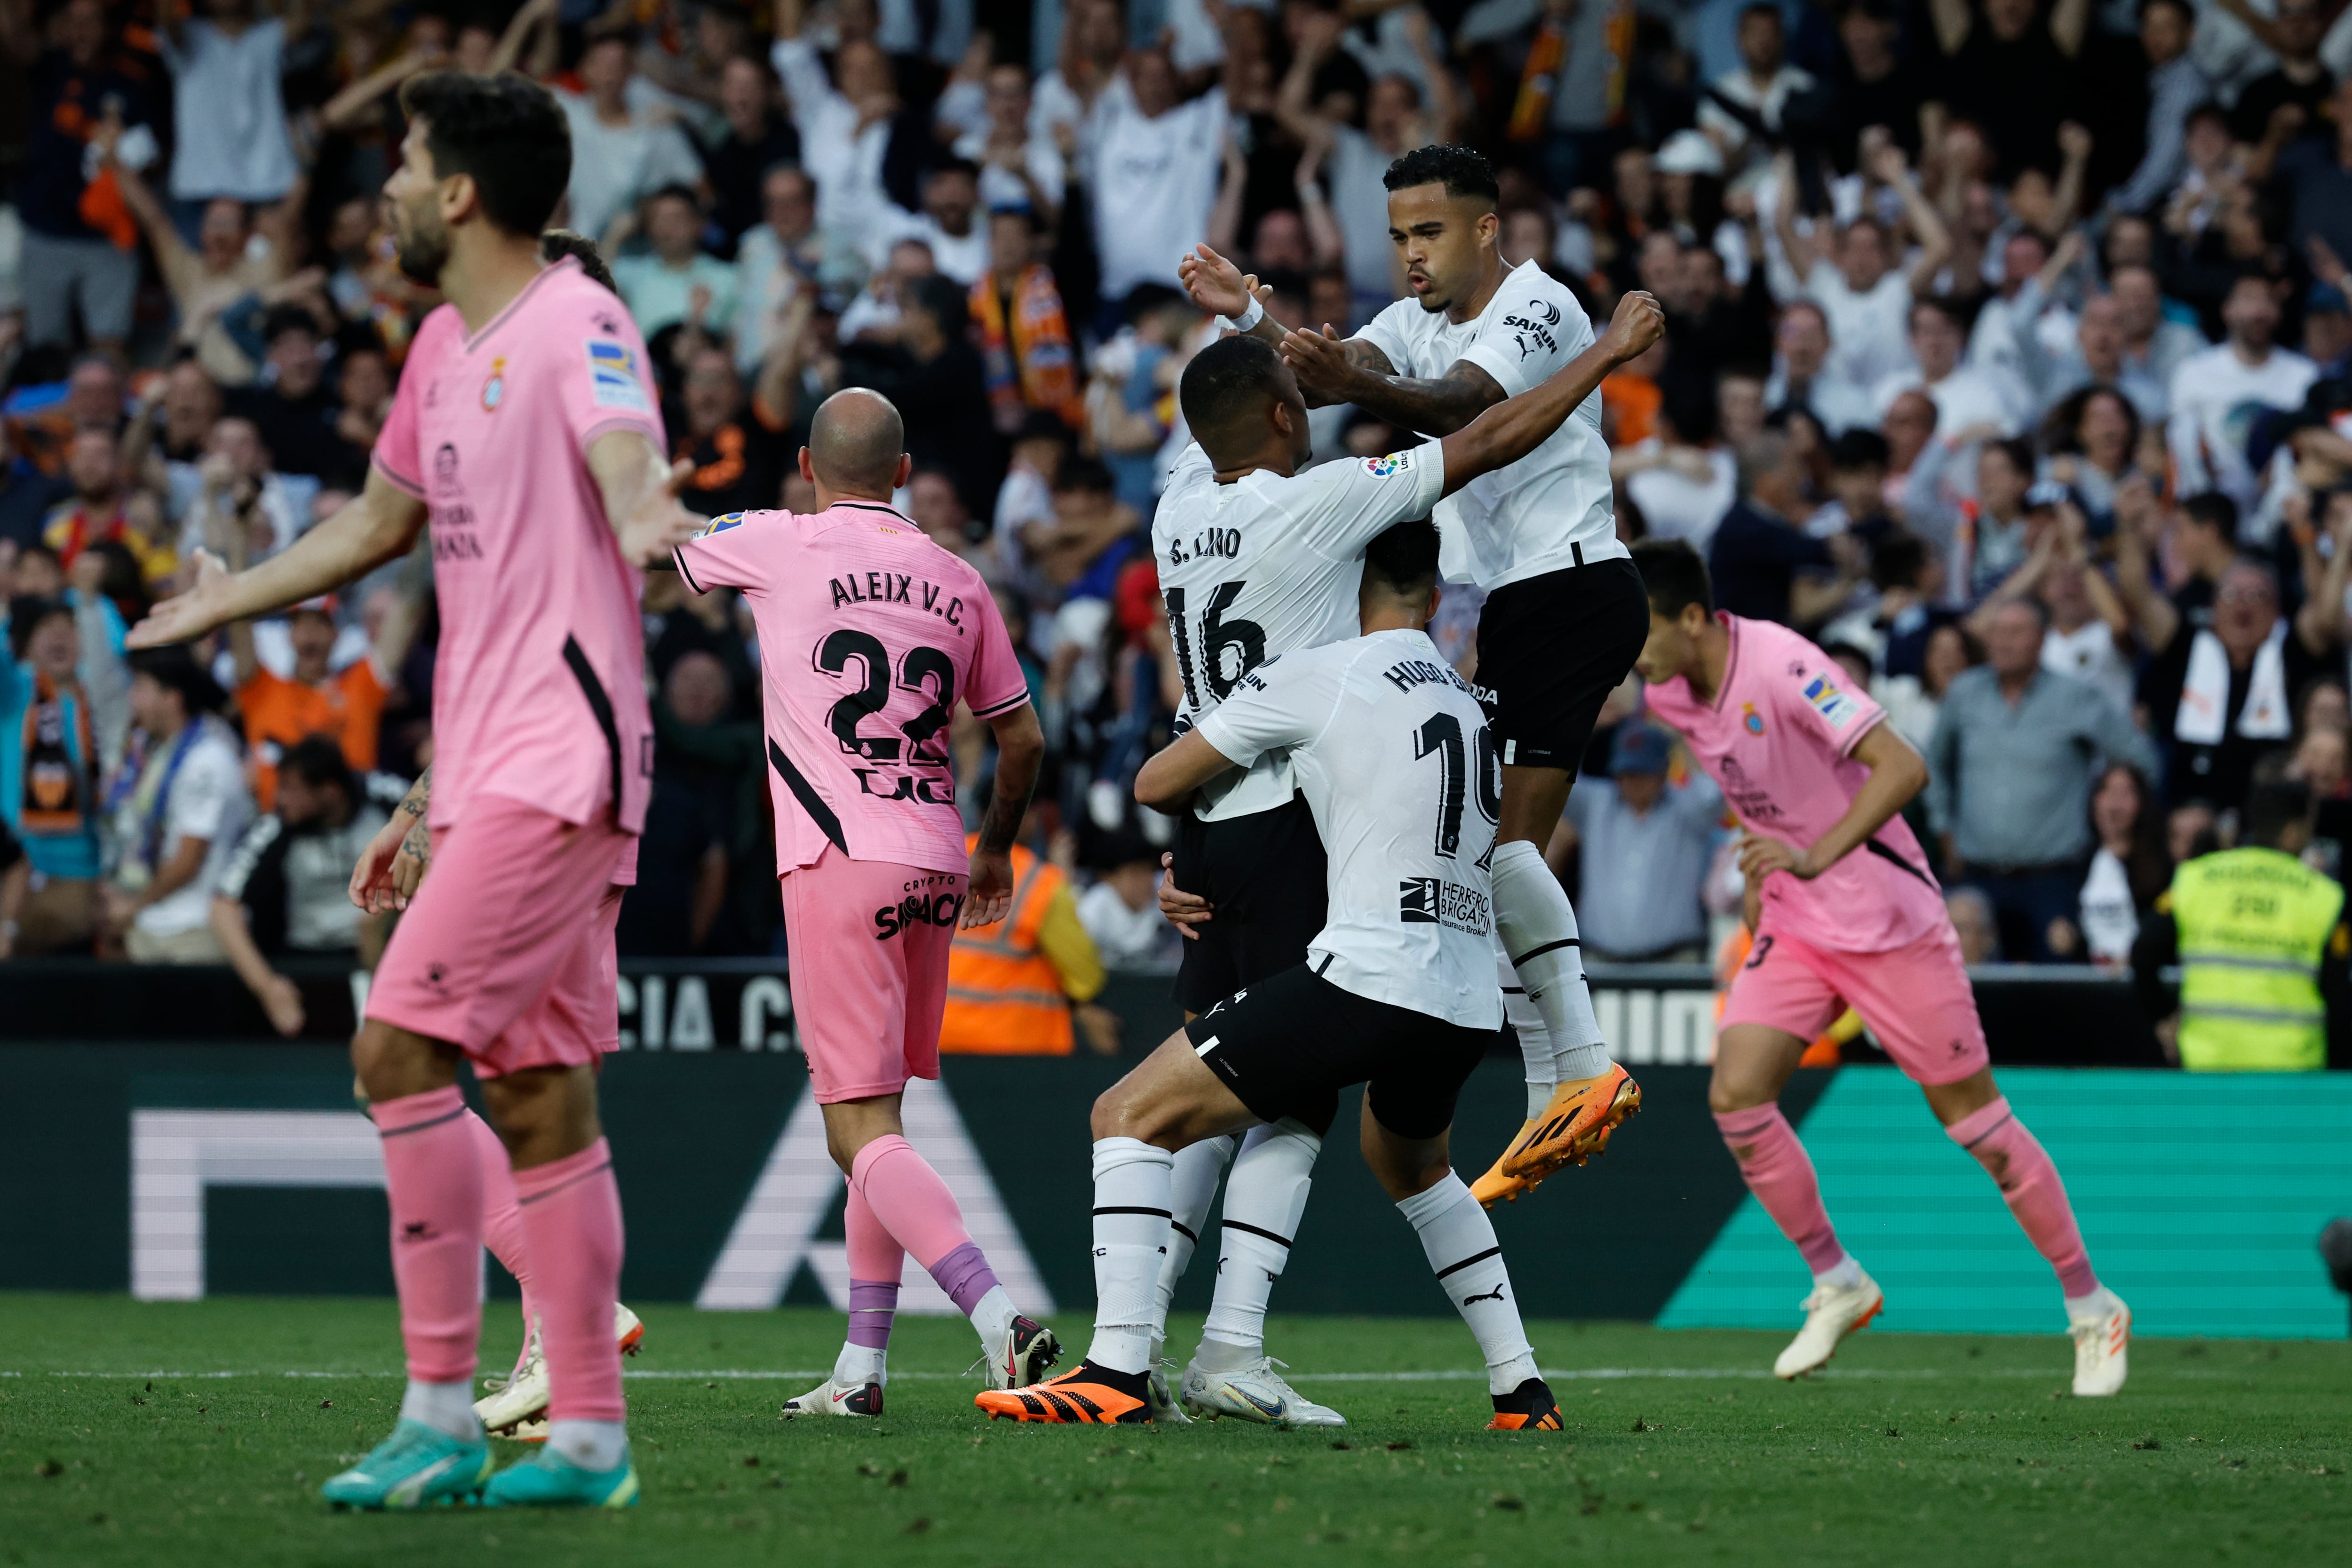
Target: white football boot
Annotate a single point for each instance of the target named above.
(831, 1398)
(1165, 1410)
(2101, 1341)
(511, 1406)
(1831, 1312)
(1253, 1393)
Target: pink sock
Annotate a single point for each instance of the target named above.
(571, 1223)
(908, 1196)
(877, 1262)
(502, 1215)
(1779, 1172)
(2021, 1167)
(433, 1178)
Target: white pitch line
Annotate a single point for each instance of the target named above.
(1560, 1374)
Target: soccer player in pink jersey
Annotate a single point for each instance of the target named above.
(1844, 912)
(870, 634)
(525, 431)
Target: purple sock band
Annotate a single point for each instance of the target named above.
(871, 1307)
(965, 1276)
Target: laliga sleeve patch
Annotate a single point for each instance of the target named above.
(1389, 466)
(1837, 710)
(613, 376)
(720, 524)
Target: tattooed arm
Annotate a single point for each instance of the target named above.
(393, 862)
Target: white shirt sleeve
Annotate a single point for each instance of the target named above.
(805, 84)
(1353, 501)
(1381, 332)
(1287, 701)
(1524, 342)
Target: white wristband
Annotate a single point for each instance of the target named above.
(1249, 318)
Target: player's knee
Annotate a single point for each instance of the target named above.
(1120, 1113)
(391, 1063)
(1728, 1094)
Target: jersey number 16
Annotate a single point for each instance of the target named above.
(1217, 635)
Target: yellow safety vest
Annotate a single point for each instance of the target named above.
(1004, 996)
(2254, 925)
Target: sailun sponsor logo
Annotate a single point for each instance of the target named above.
(1432, 900)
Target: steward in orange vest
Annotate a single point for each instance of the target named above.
(1011, 984)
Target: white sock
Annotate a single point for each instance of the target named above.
(1538, 926)
(1459, 1241)
(1134, 1184)
(591, 1444)
(992, 1315)
(444, 1407)
(1844, 1275)
(858, 1365)
(1535, 1040)
(2090, 1308)
(1263, 1202)
(1199, 1167)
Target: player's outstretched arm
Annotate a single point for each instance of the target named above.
(1169, 779)
(640, 487)
(377, 526)
(1897, 773)
(1518, 425)
(1020, 753)
(392, 864)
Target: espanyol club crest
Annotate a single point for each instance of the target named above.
(494, 391)
(1751, 719)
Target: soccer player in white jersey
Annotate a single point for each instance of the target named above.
(1564, 616)
(1258, 559)
(1397, 993)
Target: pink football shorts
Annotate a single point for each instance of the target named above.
(1916, 999)
(507, 949)
(869, 942)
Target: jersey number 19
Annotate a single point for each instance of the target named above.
(1443, 736)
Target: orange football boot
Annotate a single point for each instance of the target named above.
(1499, 1186)
(1575, 1126)
(1527, 1408)
(1087, 1395)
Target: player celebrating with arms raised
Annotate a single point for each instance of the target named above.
(1563, 615)
(526, 429)
(1844, 912)
(872, 633)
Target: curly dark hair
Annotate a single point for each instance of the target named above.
(1461, 171)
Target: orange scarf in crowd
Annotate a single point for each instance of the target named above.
(1029, 360)
(1539, 78)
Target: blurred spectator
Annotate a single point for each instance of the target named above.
(1019, 164)
(1741, 110)
(1121, 912)
(626, 140)
(678, 281)
(683, 863)
(2299, 82)
(935, 377)
(1864, 295)
(2128, 869)
(2212, 389)
(1155, 163)
(1972, 923)
(736, 445)
(757, 140)
(1130, 397)
(1015, 988)
(27, 494)
(949, 224)
(1802, 374)
(1079, 550)
(104, 509)
(2175, 86)
(875, 313)
(1680, 478)
(230, 135)
(315, 702)
(1025, 334)
(284, 890)
(292, 412)
(223, 285)
(1645, 849)
(1965, 397)
(2216, 695)
(2155, 344)
(2011, 763)
(2088, 629)
(178, 805)
(2317, 174)
(784, 255)
(81, 255)
(847, 131)
(244, 512)
(1760, 547)
(2011, 69)
(64, 710)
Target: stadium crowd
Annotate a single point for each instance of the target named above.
(2008, 355)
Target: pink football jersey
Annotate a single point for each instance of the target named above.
(1779, 738)
(538, 685)
(869, 634)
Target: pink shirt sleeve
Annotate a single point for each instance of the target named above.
(396, 457)
(995, 685)
(605, 381)
(1809, 691)
(735, 551)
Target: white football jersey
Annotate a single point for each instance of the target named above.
(1393, 754)
(1266, 565)
(1551, 510)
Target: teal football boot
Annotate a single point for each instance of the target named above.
(416, 1466)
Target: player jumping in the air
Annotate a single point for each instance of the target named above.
(1563, 615)
(526, 429)
(1397, 991)
(1259, 556)
(1844, 912)
(872, 633)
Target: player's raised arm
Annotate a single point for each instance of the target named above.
(376, 526)
(1897, 773)
(1169, 779)
(640, 489)
(1518, 425)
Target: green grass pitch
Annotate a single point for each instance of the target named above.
(1917, 1449)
